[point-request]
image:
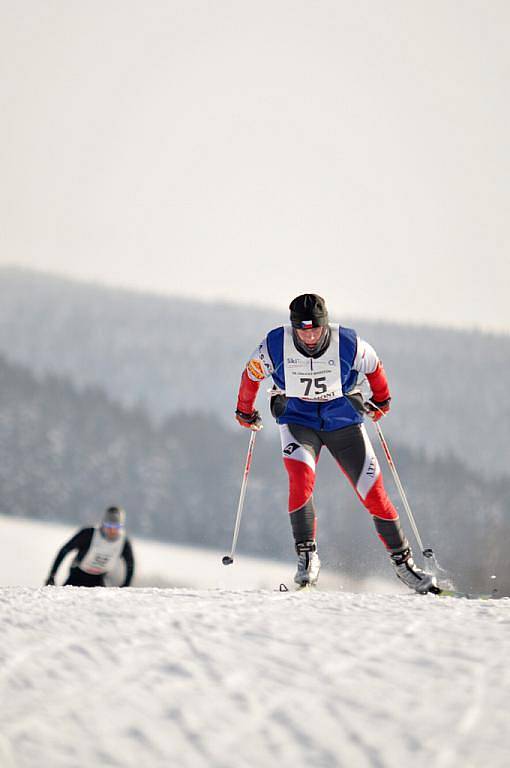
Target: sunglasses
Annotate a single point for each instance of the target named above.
(113, 526)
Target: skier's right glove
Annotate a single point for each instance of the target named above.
(249, 420)
(50, 581)
(378, 409)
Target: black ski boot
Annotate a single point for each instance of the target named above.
(412, 576)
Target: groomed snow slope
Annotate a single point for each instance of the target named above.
(223, 670)
(205, 678)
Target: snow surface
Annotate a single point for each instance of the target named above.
(221, 677)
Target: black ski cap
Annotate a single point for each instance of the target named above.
(308, 308)
(114, 516)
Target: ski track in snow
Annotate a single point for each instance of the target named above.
(180, 677)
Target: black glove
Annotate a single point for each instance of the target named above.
(378, 409)
(277, 404)
(250, 420)
(50, 581)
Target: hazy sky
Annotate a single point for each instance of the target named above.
(255, 150)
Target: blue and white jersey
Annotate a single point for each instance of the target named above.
(315, 389)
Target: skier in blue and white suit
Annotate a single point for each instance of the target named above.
(318, 369)
(314, 389)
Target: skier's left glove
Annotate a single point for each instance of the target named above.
(249, 420)
(375, 410)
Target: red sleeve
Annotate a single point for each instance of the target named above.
(379, 384)
(248, 391)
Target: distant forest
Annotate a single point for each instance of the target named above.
(65, 454)
(450, 388)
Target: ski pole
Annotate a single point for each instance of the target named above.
(426, 551)
(229, 559)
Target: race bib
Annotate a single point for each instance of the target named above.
(318, 379)
(102, 555)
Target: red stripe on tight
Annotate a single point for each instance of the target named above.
(248, 390)
(379, 384)
(301, 483)
(377, 500)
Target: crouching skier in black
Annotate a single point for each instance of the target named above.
(99, 550)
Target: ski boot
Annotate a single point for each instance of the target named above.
(412, 576)
(309, 565)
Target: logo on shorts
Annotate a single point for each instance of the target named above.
(290, 448)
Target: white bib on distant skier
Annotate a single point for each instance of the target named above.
(103, 554)
(312, 379)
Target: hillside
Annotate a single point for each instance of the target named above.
(450, 388)
(29, 547)
(67, 454)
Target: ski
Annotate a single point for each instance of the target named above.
(440, 593)
(467, 595)
(298, 588)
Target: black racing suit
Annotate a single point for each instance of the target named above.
(78, 578)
